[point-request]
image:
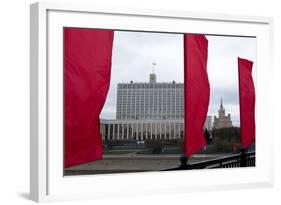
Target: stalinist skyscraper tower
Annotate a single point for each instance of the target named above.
(222, 120)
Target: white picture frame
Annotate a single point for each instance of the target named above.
(47, 182)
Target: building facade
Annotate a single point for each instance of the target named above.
(147, 111)
(222, 121)
(152, 101)
(142, 129)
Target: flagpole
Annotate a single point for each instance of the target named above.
(153, 64)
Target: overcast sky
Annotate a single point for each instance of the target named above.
(134, 53)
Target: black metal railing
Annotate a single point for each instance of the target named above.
(244, 159)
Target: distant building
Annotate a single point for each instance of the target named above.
(208, 123)
(222, 120)
(136, 101)
(147, 110)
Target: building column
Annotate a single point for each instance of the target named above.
(122, 132)
(162, 100)
(175, 135)
(130, 99)
(160, 129)
(108, 130)
(165, 136)
(155, 131)
(141, 124)
(179, 129)
(103, 131)
(132, 131)
(151, 130)
(183, 130)
(113, 133)
(118, 131)
(146, 131)
(175, 132)
(170, 125)
(137, 131)
(127, 126)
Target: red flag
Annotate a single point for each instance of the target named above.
(247, 102)
(87, 67)
(197, 91)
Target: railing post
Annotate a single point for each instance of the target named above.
(184, 164)
(243, 159)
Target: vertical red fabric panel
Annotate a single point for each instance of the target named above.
(197, 91)
(87, 67)
(247, 102)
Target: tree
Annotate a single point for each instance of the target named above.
(207, 136)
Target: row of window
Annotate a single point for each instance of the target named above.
(155, 98)
(169, 102)
(171, 99)
(148, 108)
(139, 117)
(148, 136)
(149, 85)
(143, 109)
(146, 130)
(145, 98)
(180, 91)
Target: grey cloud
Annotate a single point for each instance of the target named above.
(228, 95)
(134, 52)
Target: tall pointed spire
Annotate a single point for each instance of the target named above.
(221, 103)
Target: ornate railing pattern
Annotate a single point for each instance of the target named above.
(244, 159)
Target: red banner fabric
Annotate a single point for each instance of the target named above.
(87, 67)
(247, 102)
(197, 91)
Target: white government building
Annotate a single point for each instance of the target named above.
(147, 111)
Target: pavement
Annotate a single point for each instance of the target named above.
(135, 163)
